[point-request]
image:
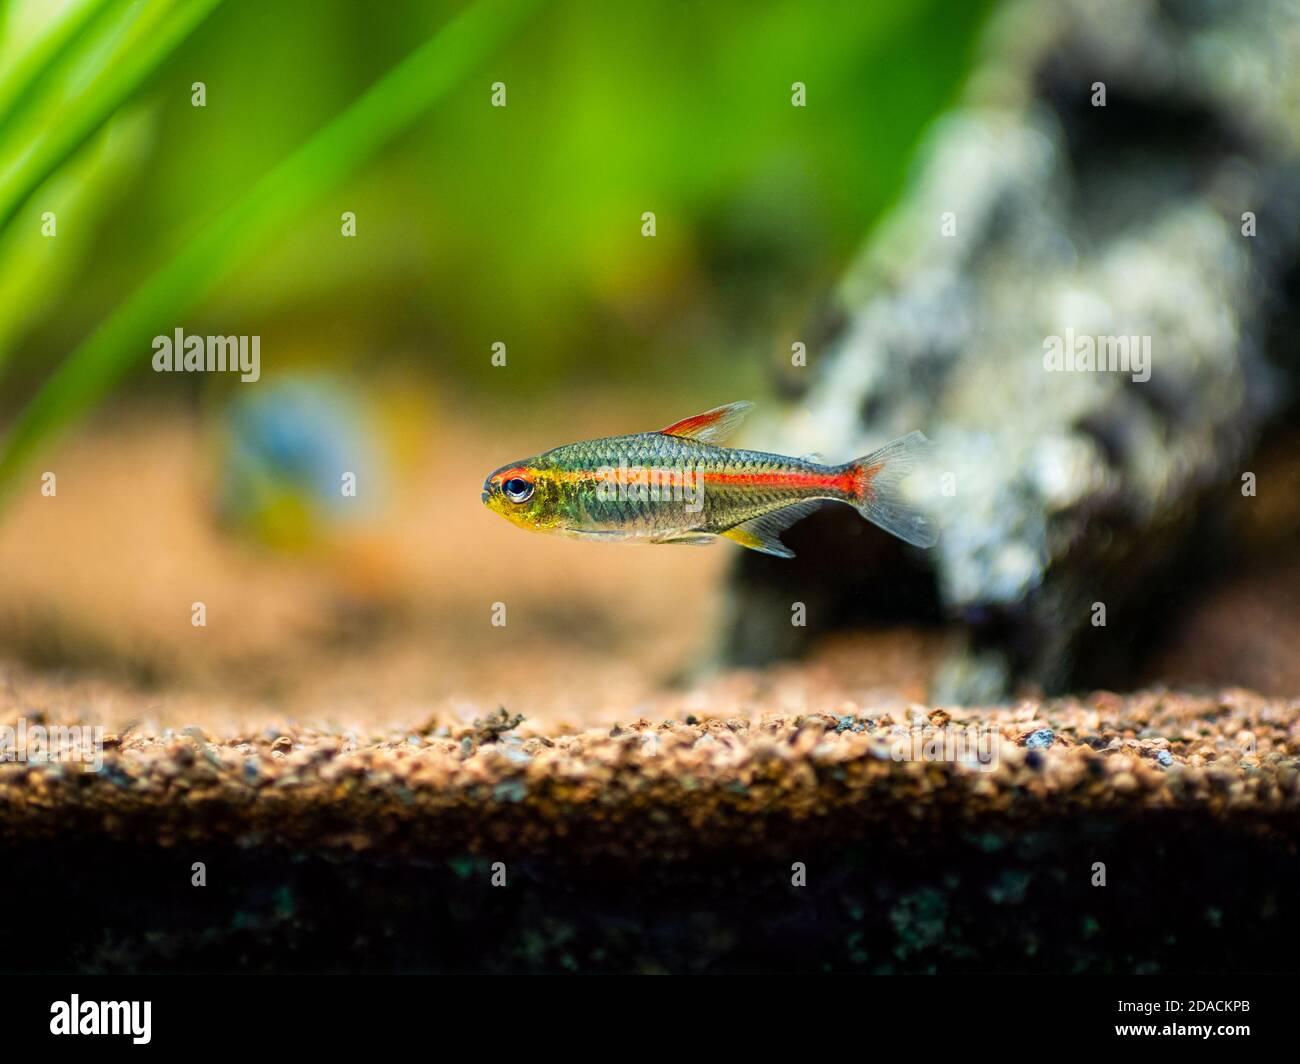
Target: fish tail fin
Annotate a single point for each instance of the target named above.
(878, 488)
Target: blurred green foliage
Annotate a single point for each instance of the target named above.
(475, 224)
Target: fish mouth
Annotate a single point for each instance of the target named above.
(485, 496)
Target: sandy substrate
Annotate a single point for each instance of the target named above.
(767, 839)
(501, 784)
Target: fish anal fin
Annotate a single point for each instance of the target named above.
(763, 534)
(740, 535)
(712, 426)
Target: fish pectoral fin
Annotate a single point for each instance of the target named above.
(692, 539)
(713, 426)
(763, 534)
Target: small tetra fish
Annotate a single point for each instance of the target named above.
(678, 485)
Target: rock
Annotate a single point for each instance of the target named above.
(1162, 226)
(1040, 740)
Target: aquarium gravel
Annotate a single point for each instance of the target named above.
(720, 779)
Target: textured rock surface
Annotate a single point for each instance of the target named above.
(1067, 488)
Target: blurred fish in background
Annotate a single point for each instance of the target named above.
(300, 462)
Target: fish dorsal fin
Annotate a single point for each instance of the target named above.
(713, 426)
(764, 533)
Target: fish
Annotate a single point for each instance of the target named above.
(680, 485)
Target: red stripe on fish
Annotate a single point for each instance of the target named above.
(864, 475)
(845, 482)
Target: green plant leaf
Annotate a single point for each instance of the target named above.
(148, 40)
(46, 55)
(390, 105)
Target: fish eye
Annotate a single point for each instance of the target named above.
(517, 489)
